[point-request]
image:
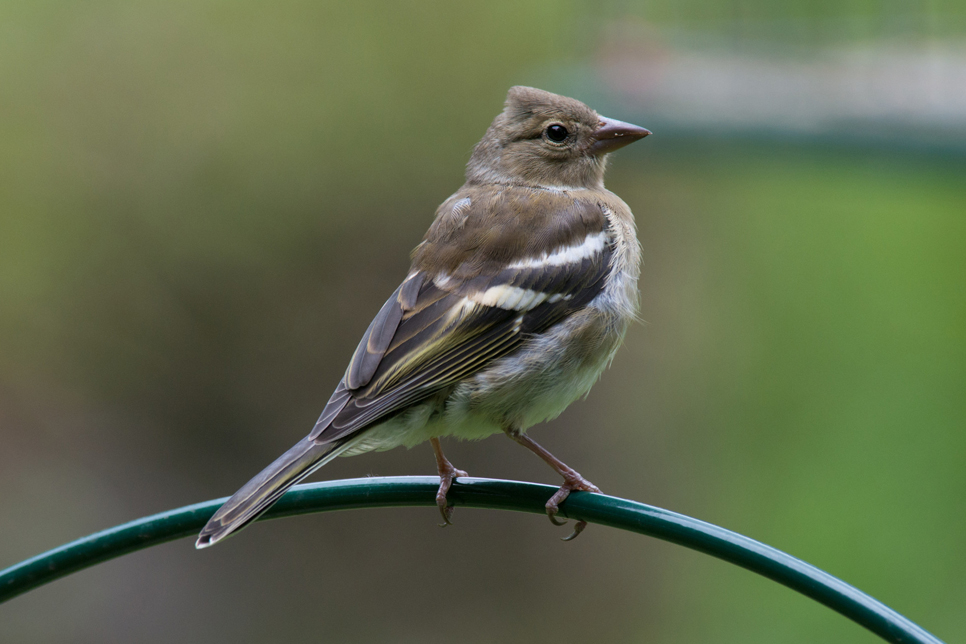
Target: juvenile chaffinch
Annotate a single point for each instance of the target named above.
(518, 297)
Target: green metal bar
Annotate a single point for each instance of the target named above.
(482, 493)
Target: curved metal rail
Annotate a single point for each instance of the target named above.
(482, 493)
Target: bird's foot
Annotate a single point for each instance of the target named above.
(571, 483)
(447, 474)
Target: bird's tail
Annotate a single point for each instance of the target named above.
(256, 496)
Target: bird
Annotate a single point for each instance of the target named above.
(517, 299)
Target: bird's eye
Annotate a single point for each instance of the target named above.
(557, 133)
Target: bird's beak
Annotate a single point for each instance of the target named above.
(612, 134)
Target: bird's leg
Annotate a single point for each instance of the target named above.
(447, 473)
(572, 479)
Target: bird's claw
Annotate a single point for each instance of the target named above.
(446, 511)
(446, 479)
(554, 520)
(578, 528)
(553, 505)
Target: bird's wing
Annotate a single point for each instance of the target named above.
(440, 327)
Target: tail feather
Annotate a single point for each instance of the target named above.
(256, 496)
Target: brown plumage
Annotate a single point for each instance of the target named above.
(517, 299)
(514, 150)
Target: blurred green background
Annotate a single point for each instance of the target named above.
(203, 204)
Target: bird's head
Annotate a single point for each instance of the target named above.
(545, 139)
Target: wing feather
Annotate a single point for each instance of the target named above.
(437, 330)
(372, 348)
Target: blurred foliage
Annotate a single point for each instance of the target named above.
(813, 21)
(203, 204)
(817, 383)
